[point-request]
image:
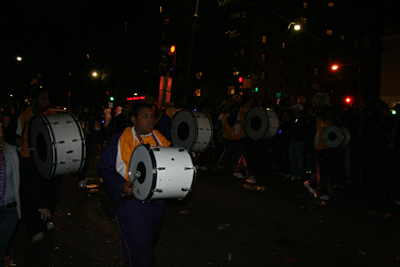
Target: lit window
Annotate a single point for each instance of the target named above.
(236, 72)
(329, 32)
(166, 21)
(263, 75)
(283, 45)
(264, 57)
(331, 4)
(231, 90)
(315, 86)
(305, 5)
(303, 20)
(342, 37)
(316, 71)
(264, 39)
(198, 92)
(160, 9)
(242, 52)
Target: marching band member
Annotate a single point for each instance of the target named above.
(315, 146)
(139, 223)
(39, 196)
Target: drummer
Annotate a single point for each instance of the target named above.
(39, 196)
(139, 223)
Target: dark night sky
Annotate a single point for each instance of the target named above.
(53, 37)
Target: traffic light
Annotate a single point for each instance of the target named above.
(348, 100)
(255, 89)
(240, 79)
(111, 98)
(171, 58)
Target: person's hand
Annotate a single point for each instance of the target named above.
(45, 214)
(127, 188)
(19, 141)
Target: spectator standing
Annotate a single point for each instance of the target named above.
(10, 205)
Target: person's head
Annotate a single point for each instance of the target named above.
(143, 117)
(126, 107)
(40, 99)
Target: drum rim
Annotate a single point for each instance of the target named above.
(52, 138)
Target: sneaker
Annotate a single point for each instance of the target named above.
(324, 197)
(37, 237)
(50, 226)
(251, 180)
(307, 185)
(239, 175)
(82, 184)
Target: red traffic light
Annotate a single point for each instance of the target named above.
(347, 100)
(240, 79)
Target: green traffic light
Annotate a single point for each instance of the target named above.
(256, 89)
(111, 98)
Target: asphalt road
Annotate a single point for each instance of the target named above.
(223, 223)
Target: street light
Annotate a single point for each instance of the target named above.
(336, 67)
(296, 28)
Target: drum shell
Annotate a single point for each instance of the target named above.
(261, 123)
(192, 130)
(56, 144)
(164, 172)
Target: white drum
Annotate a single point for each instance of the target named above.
(56, 144)
(161, 172)
(192, 130)
(334, 136)
(261, 123)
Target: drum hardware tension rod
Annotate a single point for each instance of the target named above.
(161, 168)
(157, 190)
(74, 140)
(189, 168)
(61, 142)
(70, 151)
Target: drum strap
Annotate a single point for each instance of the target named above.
(141, 141)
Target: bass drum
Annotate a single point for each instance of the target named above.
(334, 136)
(261, 123)
(161, 172)
(56, 144)
(192, 130)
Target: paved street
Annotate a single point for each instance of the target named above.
(222, 223)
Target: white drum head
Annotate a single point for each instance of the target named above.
(184, 129)
(41, 138)
(256, 123)
(142, 173)
(332, 136)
